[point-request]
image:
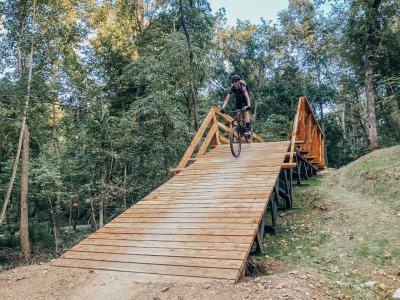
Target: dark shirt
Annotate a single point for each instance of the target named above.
(239, 93)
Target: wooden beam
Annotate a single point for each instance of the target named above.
(207, 140)
(176, 170)
(196, 140)
(295, 129)
(223, 139)
(288, 165)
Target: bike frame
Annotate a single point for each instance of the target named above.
(239, 119)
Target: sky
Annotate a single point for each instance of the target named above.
(252, 10)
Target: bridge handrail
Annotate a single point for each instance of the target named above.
(307, 135)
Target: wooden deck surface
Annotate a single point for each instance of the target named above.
(198, 226)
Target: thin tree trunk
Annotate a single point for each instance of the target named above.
(24, 223)
(191, 68)
(101, 212)
(372, 133)
(394, 107)
(102, 197)
(93, 213)
(23, 123)
(56, 154)
(54, 226)
(124, 199)
(70, 217)
(369, 87)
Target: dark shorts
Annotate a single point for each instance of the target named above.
(241, 102)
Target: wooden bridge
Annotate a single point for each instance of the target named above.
(201, 224)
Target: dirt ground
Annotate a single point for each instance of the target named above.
(47, 282)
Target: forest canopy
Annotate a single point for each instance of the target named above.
(99, 99)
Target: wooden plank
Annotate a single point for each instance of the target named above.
(228, 226)
(174, 238)
(177, 231)
(217, 182)
(146, 277)
(196, 201)
(200, 253)
(229, 191)
(186, 220)
(166, 244)
(248, 214)
(149, 269)
(192, 210)
(156, 260)
(242, 193)
(148, 204)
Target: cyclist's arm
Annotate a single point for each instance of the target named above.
(246, 94)
(226, 100)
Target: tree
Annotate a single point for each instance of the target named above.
(24, 223)
(25, 109)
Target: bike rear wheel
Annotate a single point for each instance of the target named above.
(235, 141)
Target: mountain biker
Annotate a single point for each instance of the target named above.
(242, 100)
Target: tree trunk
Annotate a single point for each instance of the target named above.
(54, 226)
(24, 223)
(55, 153)
(102, 196)
(394, 107)
(369, 87)
(372, 133)
(191, 68)
(101, 212)
(23, 122)
(124, 199)
(93, 216)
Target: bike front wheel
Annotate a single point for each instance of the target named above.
(235, 141)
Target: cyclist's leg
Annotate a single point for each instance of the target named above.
(247, 119)
(239, 106)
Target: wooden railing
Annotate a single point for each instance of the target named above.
(210, 134)
(307, 136)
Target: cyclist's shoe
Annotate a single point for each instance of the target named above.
(248, 131)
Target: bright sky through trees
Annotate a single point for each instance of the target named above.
(252, 10)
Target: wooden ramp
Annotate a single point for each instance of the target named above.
(200, 225)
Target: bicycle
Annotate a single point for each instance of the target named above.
(238, 132)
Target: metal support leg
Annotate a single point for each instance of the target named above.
(273, 206)
(260, 235)
(298, 171)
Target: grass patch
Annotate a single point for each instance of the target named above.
(375, 175)
(344, 225)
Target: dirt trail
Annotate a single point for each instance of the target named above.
(45, 282)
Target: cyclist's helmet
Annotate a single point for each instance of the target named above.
(236, 78)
